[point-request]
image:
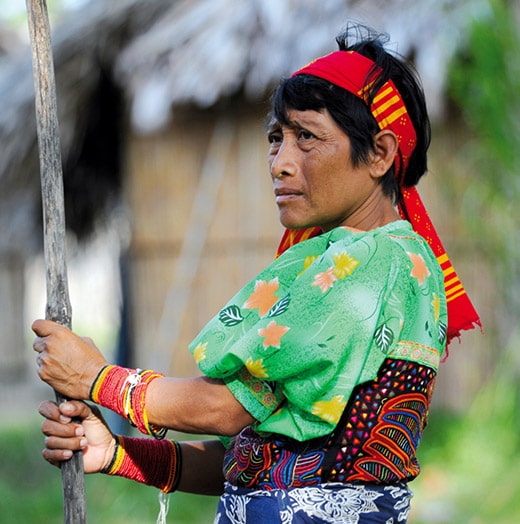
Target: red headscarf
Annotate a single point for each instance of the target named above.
(356, 73)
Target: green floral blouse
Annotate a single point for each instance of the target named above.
(294, 342)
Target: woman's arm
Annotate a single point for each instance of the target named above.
(70, 364)
(195, 405)
(201, 472)
(146, 459)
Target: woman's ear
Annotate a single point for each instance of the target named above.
(386, 145)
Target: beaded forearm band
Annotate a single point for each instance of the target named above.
(123, 390)
(153, 462)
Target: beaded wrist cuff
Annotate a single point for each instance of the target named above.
(123, 390)
(153, 462)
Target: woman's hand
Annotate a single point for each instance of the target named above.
(63, 436)
(66, 362)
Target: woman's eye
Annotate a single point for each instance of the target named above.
(274, 138)
(305, 135)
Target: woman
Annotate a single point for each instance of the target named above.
(318, 374)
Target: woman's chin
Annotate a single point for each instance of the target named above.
(291, 222)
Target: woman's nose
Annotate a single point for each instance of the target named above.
(284, 161)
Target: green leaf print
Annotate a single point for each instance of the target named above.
(231, 316)
(442, 332)
(384, 337)
(280, 307)
(427, 329)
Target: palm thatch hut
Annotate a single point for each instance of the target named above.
(161, 109)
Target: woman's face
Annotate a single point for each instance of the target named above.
(315, 183)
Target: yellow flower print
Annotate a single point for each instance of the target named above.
(273, 334)
(436, 303)
(256, 368)
(199, 353)
(329, 410)
(309, 260)
(325, 280)
(263, 297)
(344, 264)
(419, 270)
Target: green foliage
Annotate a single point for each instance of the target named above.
(485, 83)
(30, 490)
(471, 463)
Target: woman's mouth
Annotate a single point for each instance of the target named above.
(284, 195)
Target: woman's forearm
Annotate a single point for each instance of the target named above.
(192, 466)
(201, 472)
(195, 405)
(151, 402)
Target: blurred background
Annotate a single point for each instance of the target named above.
(169, 210)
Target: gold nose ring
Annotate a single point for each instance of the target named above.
(279, 175)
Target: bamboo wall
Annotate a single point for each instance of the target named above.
(204, 223)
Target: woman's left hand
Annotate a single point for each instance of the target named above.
(67, 362)
(75, 425)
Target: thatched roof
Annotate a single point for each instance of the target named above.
(203, 50)
(86, 47)
(148, 56)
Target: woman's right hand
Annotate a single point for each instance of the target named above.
(88, 432)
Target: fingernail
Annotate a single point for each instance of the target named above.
(65, 419)
(83, 442)
(79, 432)
(67, 454)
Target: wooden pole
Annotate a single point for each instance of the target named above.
(58, 304)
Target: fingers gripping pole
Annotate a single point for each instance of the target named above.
(58, 304)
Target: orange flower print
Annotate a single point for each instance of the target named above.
(199, 353)
(272, 334)
(256, 368)
(419, 270)
(329, 410)
(344, 264)
(325, 280)
(263, 297)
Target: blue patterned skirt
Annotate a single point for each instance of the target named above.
(325, 504)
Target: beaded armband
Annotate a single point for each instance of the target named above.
(152, 462)
(123, 390)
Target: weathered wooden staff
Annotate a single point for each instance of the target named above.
(58, 304)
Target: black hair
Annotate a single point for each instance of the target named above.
(306, 92)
